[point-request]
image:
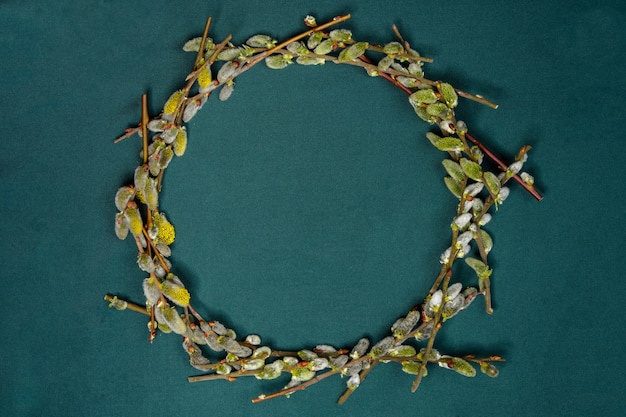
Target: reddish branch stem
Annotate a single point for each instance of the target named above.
(472, 139)
(503, 167)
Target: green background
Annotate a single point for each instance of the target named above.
(309, 207)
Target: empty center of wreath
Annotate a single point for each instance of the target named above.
(306, 219)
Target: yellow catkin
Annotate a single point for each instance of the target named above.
(166, 232)
(176, 293)
(180, 143)
(204, 78)
(172, 103)
(151, 194)
(140, 196)
(173, 320)
(135, 224)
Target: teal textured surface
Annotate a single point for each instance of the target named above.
(309, 207)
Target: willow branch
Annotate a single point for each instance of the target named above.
(205, 34)
(531, 189)
(130, 306)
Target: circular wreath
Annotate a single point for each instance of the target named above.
(477, 190)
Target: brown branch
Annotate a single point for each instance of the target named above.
(130, 306)
(200, 54)
(144, 126)
(336, 20)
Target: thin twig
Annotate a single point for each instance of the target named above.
(144, 126)
(362, 375)
(336, 20)
(130, 306)
(200, 54)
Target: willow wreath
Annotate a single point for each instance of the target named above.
(476, 189)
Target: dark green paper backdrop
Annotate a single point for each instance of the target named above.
(309, 207)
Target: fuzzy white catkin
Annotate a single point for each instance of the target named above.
(360, 348)
(454, 290)
(463, 219)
